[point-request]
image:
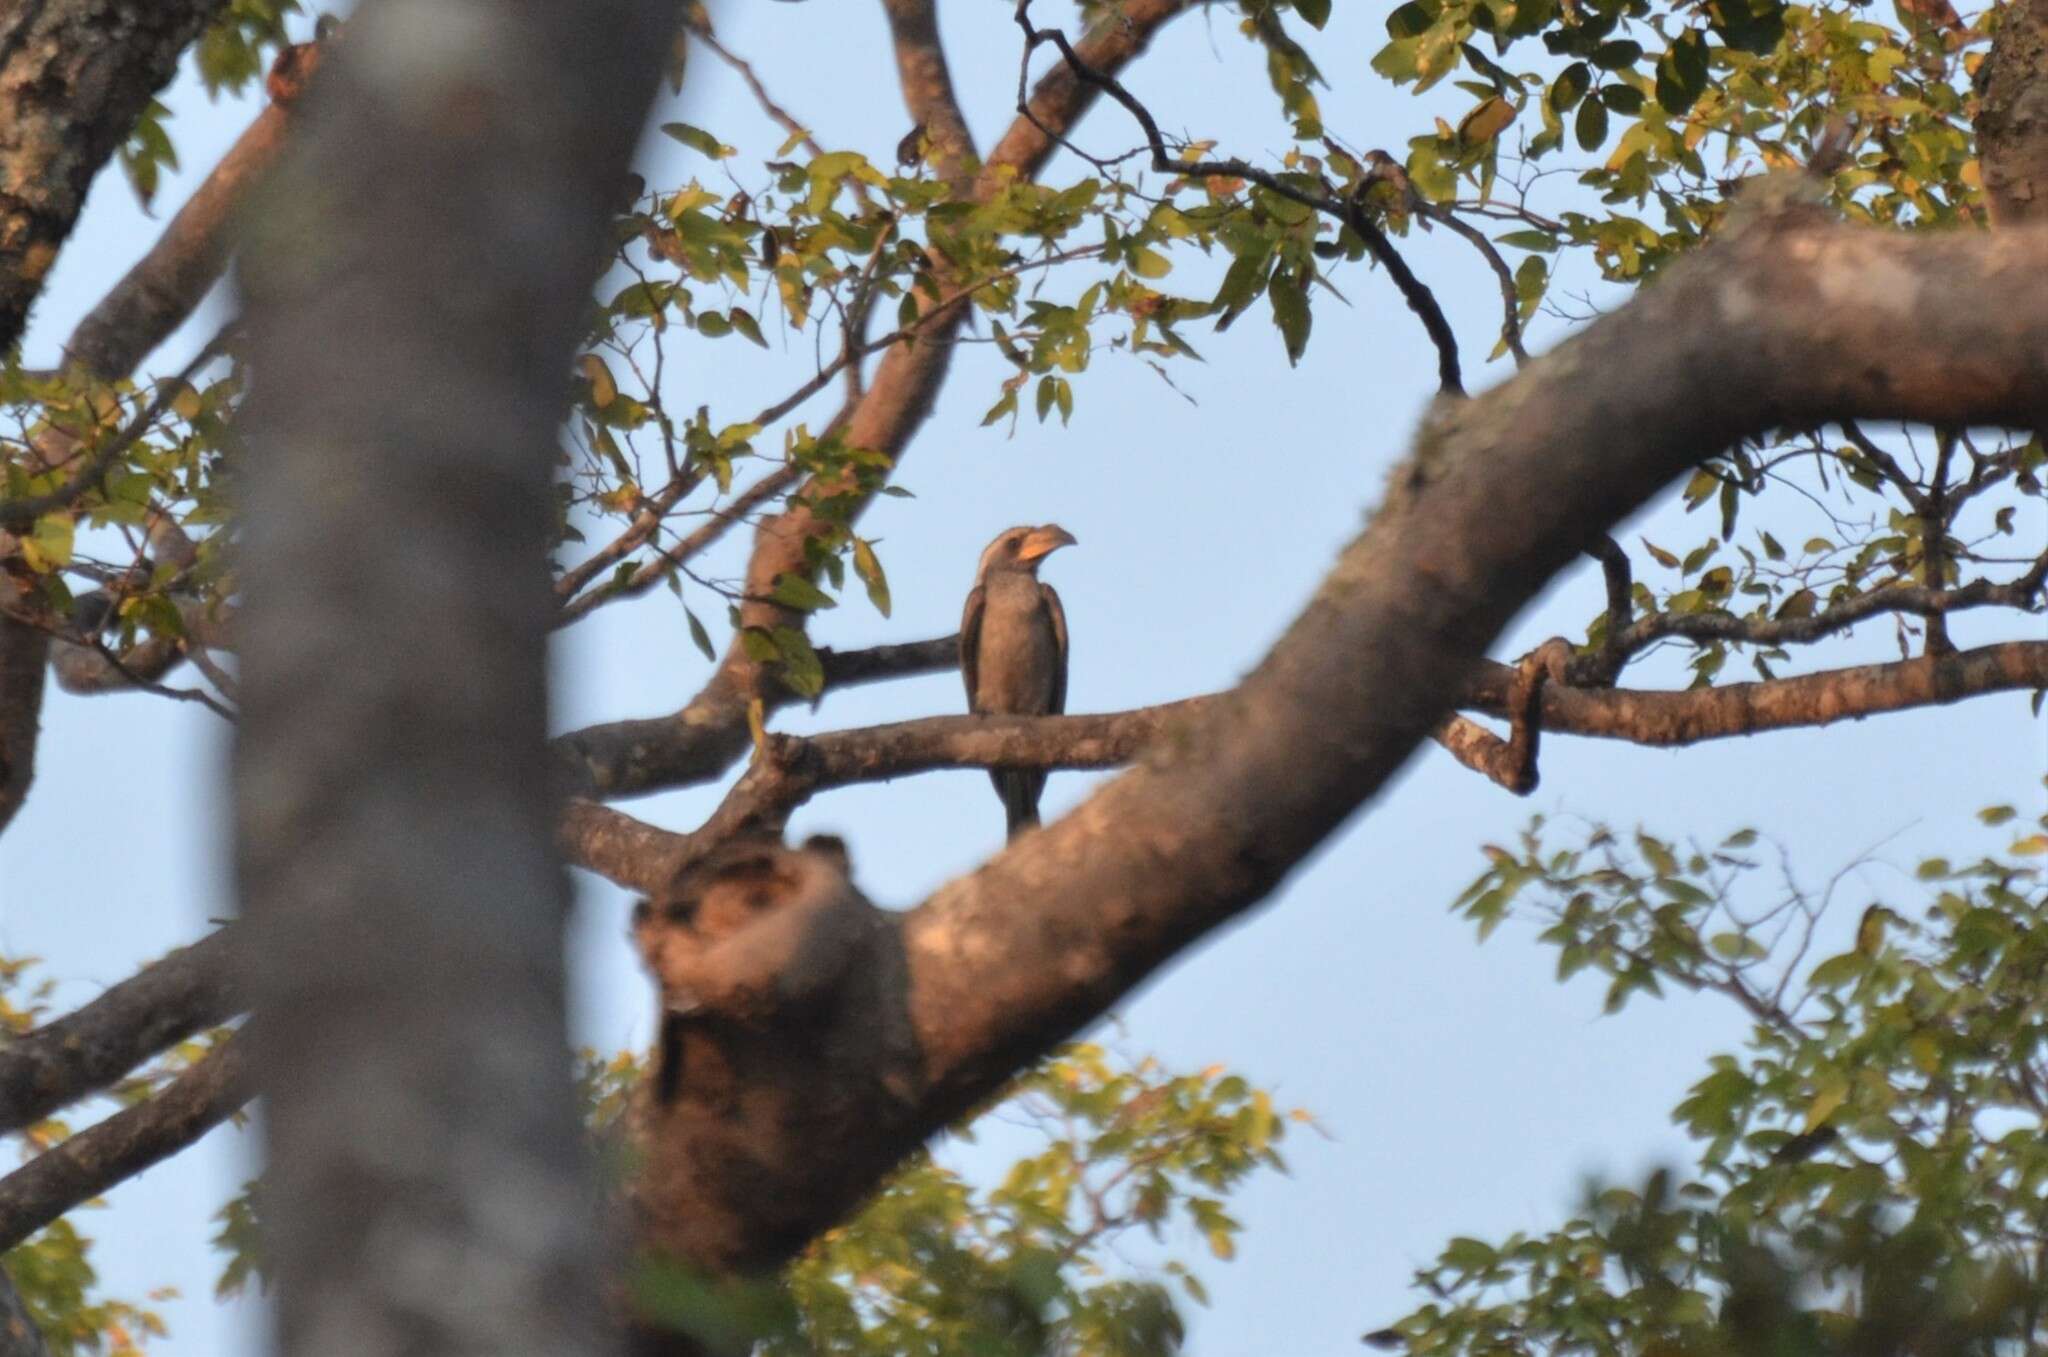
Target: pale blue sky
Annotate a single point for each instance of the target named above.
(1463, 1090)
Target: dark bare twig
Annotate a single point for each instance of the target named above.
(1418, 296)
(1511, 303)
(652, 572)
(1620, 580)
(141, 669)
(1511, 762)
(650, 518)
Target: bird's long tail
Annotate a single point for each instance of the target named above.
(1020, 791)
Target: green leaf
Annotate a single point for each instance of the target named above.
(1626, 100)
(1617, 56)
(1570, 86)
(794, 591)
(801, 668)
(745, 323)
(1291, 314)
(1469, 1255)
(1590, 128)
(699, 636)
(1825, 1103)
(50, 546)
(1315, 12)
(1411, 20)
(697, 139)
(1532, 278)
(1148, 263)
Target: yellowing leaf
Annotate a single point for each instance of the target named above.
(1486, 122)
(1825, 1102)
(757, 725)
(1150, 264)
(603, 390)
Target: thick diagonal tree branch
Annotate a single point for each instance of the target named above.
(170, 999)
(707, 735)
(81, 1168)
(74, 77)
(1778, 323)
(165, 286)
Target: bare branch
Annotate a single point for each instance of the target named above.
(68, 1058)
(1619, 577)
(81, 1168)
(1732, 709)
(166, 285)
(628, 757)
(1510, 301)
(1510, 762)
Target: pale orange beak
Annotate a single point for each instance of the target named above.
(1043, 542)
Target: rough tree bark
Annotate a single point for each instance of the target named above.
(74, 76)
(417, 274)
(2012, 116)
(24, 650)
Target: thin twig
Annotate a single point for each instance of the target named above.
(1419, 298)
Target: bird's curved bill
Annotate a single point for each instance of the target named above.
(1044, 542)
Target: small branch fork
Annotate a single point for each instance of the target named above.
(1345, 210)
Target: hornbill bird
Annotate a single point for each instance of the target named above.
(1013, 650)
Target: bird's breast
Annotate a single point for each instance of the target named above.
(1019, 655)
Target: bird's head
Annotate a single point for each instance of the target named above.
(1023, 549)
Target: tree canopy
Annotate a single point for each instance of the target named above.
(1780, 258)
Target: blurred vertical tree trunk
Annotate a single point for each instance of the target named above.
(417, 274)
